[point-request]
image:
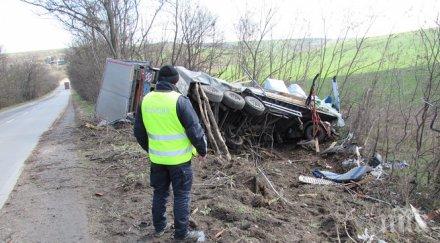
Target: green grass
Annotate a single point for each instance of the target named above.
(87, 107)
(384, 58)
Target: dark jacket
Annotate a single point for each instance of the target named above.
(187, 117)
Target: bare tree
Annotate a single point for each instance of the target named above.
(116, 22)
(23, 79)
(177, 46)
(101, 28)
(2, 63)
(251, 34)
(197, 25)
(196, 41)
(359, 46)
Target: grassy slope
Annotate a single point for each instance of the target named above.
(401, 52)
(402, 55)
(87, 108)
(402, 65)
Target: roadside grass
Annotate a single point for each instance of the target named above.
(86, 107)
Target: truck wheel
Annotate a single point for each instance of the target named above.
(234, 143)
(233, 100)
(320, 134)
(253, 106)
(213, 94)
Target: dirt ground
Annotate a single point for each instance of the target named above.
(88, 183)
(233, 202)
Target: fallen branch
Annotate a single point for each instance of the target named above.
(206, 122)
(216, 131)
(273, 188)
(308, 195)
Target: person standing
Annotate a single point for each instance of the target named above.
(167, 127)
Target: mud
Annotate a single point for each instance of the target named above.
(89, 183)
(231, 201)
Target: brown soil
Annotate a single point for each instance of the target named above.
(85, 182)
(232, 202)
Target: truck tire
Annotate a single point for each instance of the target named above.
(233, 100)
(308, 133)
(253, 106)
(213, 94)
(234, 143)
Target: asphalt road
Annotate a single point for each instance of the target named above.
(20, 130)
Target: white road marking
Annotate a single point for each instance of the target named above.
(10, 121)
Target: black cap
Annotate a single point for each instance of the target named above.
(168, 74)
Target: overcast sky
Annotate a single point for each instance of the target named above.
(21, 29)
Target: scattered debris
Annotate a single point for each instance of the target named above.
(349, 163)
(200, 236)
(228, 199)
(315, 181)
(377, 172)
(376, 160)
(308, 195)
(395, 165)
(434, 215)
(369, 238)
(420, 222)
(345, 147)
(231, 201)
(354, 174)
(91, 126)
(312, 144)
(219, 233)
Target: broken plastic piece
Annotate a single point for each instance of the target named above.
(395, 165)
(296, 90)
(315, 181)
(354, 174)
(377, 172)
(200, 236)
(376, 160)
(420, 222)
(275, 85)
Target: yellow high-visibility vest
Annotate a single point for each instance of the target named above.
(167, 140)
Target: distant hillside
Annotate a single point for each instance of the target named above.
(401, 52)
(335, 57)
(39, 55)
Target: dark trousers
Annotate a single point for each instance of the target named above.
(180, 176)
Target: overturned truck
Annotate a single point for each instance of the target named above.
(255, 114)
(244, 113)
